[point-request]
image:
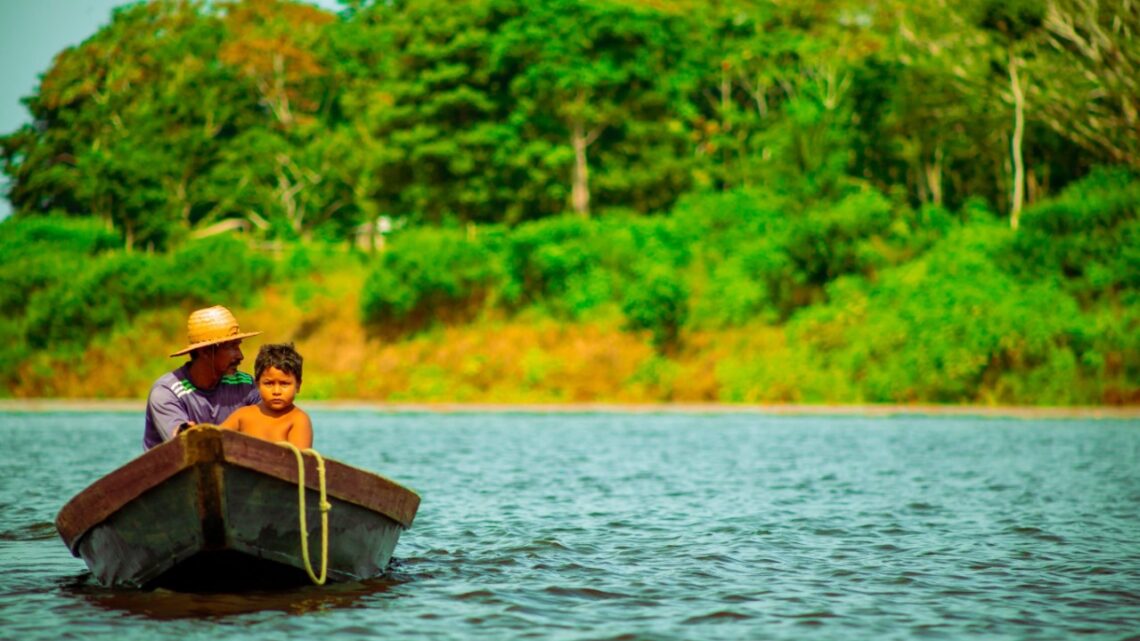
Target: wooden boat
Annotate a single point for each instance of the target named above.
(215, 510)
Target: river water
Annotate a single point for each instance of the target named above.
(647, 526)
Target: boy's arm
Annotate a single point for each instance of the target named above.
(301, 433)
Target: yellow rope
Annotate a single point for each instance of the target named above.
(325, 507)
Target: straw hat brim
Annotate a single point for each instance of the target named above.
(214, 341)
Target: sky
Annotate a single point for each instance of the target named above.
(31, 33)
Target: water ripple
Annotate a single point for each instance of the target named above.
(650, 527)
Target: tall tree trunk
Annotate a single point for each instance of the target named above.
(725, 103)
(580, 140)
(1016, 142)
(933, 171)
(580, 191)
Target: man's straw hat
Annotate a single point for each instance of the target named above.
(211, 326)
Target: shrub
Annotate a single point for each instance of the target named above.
(22, 236)
(658, 302)
(112, 289)
(205, 272)
(943, 328)
(427, 274)
(847, 237)
(1088, 238)
(571, 265)
(39, 252)
(97, 300)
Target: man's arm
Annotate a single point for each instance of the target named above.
(166, 414)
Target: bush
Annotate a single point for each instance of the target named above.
(753, 281)
(762, 258)
(658, 302)
(427, 274)
(571, 265)
(23, 236)
(1088, 238)
(740, 269)
(208, 271)
(112, 289)
(945, 328)
(847, 237)
(39, 252)
(97, 300)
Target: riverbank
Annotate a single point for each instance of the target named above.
(1016, 412)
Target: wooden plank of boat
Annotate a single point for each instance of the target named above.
(215, 509)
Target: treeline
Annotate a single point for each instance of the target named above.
(877, 301)
(298, 123)
(932, 202)
(880, 302)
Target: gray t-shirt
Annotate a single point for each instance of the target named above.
(173, 400)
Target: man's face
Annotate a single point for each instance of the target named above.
(227, 357)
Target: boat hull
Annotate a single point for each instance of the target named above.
(218, 510)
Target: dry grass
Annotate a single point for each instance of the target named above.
(491, 360)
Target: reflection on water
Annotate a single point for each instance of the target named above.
(162, 604)
(609, 526)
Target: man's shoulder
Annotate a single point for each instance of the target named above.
(175, 382)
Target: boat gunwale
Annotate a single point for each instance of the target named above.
(207, 444)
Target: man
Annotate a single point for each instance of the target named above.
(208, 388)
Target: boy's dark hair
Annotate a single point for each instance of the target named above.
(279, 355)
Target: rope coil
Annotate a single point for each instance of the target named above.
(325, 507)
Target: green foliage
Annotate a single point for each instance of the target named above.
(22, 236)
(736, 240)
(1088, 238)
(110, 290)
(209, 270)
(427, 275)
(827, 171)
(847, 237)
(601, 84)
(39, 252)
(96, 301)
(301, 124)
(572, 265)
(949, 327)
(659, 302)
(761, 256)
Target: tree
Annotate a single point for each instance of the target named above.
(272, 44)
(115, 134)
(422, 93)
(1014, 26)
(276, 172)
(1090, 76)
(610, 85)
(776, 90)
(986, 45)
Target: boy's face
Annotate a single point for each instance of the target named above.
(278, 389)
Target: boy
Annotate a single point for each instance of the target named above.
(277, 372)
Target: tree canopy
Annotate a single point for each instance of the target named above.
(295, 121)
